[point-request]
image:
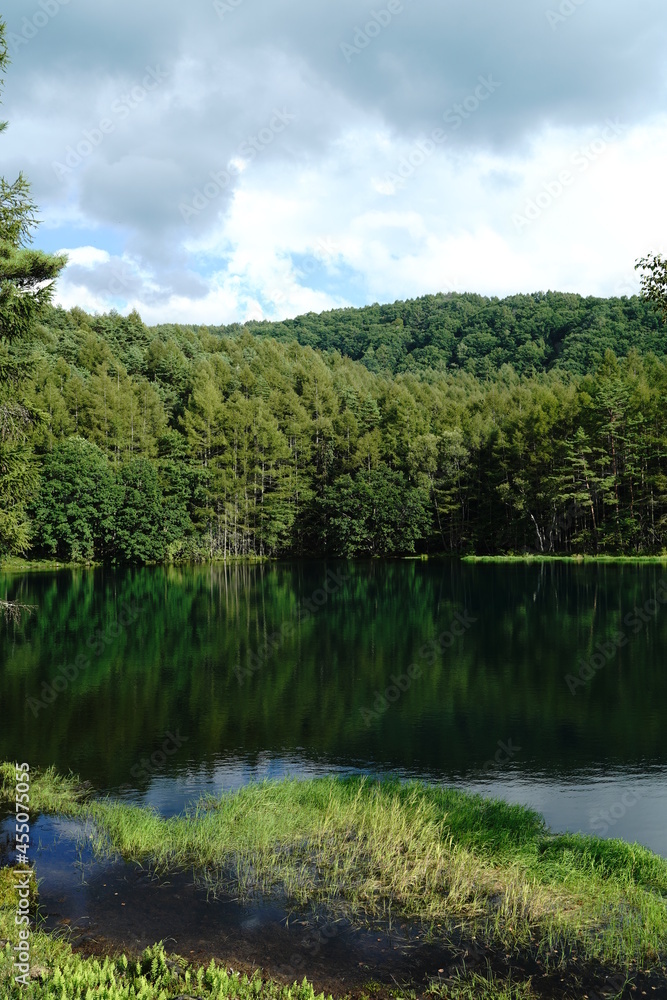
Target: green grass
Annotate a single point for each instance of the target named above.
(473, 986)
(578, 558)
(50, 792)
(58, 973)
(456, 862)
(16, 565)
(448, 859)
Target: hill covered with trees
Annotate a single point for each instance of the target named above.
(477, 334)
(144, 444)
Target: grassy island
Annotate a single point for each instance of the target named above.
(468, 867)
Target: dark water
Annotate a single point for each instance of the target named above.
(168, 651)
(106, 905)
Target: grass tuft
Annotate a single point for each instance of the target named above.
(50, 792)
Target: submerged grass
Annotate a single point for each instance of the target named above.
(60, 974)
(435, 855)
(460, 863)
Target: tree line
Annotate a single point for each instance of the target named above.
(450, 423)
(179, 443)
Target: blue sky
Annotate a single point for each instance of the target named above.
(235, 159)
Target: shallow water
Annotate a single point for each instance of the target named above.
(107, 906)
(169, 651)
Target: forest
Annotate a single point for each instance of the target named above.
(531, 332)
(447, 424)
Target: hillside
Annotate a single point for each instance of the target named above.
(477, 334)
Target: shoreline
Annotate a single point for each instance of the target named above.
(21, 566)
(485, 880)
(578, 559)
(55, 565)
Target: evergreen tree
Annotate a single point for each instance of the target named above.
(140, 532)
(26, 276)
(77, 503)
(26, 281)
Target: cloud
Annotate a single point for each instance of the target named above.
(305, 116)
(85, 258)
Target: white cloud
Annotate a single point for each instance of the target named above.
(86, 256)
(329, 177)
(449, 228)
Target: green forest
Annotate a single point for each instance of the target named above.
(447, 424)
(452, 423)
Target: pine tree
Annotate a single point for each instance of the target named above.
(26, 276)
(26, 283)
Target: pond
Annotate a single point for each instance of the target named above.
(544, 684)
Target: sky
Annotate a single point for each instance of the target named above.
(227, 160)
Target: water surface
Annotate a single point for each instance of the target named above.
(176, 691)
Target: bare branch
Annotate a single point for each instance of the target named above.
(15, 420)
(13, 610)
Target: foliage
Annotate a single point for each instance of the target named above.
(477, 334)
(26, 282)
(155, 975)
(140, 537)
(26, 276)
(74, 510)
(375, 514)
(654, 280)
(222, 443)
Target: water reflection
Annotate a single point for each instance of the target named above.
(105, 905)
(199, 679)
